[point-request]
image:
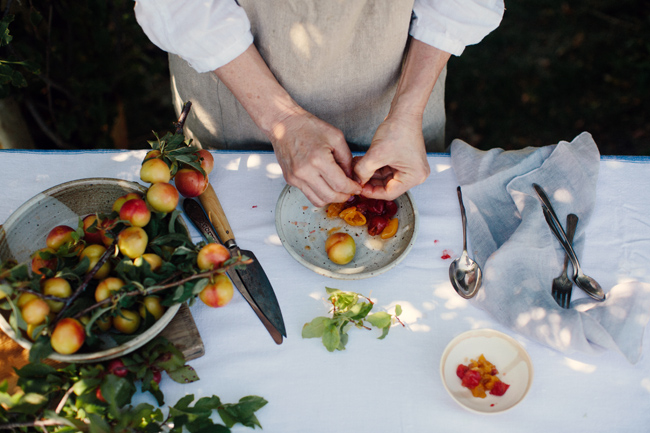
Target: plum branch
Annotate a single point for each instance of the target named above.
(111, 250)
(161, 287)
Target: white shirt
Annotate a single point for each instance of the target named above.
(209, 34)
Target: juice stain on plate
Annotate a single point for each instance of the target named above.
(446, 254)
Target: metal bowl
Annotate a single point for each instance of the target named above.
(26, 229)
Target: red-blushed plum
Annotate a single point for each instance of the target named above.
(39, 262)
(190, 182)
(68, 336)
(218, 292)
(155, 170)
(117, 204)
(35, 311)
(162, 197)
(58, 236)
(136, 212)
(206, 159)
(212, 256)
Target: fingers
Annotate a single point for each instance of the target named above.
(323, 182)
(395, 162)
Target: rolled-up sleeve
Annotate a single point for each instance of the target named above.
(451, 25)
(207, 34)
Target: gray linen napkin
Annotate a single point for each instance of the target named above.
(519, 255)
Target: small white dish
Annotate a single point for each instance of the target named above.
(504, 352)
(304, 228)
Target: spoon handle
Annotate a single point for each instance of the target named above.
(463, 217)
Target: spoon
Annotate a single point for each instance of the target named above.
(585, 282)
(464, 273)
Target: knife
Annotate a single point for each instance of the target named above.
(252, 281)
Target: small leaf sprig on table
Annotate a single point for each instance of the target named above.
(348, 309)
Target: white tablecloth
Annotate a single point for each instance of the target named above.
(390, 385)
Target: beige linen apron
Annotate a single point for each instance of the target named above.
(339, 59)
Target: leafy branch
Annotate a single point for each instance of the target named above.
(97, 398)
(348, 309)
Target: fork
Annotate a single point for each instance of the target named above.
(562, 285)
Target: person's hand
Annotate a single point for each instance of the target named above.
(315, 158)
(396, 160)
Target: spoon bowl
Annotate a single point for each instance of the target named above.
(589, 286)
(464, 273)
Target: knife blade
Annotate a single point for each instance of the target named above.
(252, 281)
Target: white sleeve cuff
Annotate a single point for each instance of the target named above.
(451, 25)
(206, 34)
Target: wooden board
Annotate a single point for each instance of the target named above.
(184, 334)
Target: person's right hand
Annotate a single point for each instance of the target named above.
(314, 158)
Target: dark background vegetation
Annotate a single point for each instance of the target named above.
(551, 70)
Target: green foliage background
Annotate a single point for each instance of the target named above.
(551, 70)
(93, 59)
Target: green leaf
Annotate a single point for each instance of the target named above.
(185, 374)
(37, 370)
(53, 416)
(359, 311)
(83, 386)
(5, 37)
(41, 349)
(200, 285)
(316, 328)
(208, 403)
(98, 424)
(117, 392)
(331, 338)
(344, 341)
(150, 386)
(380, 319)
(384, 333)
(242, 412)
(398, 310)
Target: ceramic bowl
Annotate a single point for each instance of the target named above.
(26, 229)
(504, 352)
(304, 228)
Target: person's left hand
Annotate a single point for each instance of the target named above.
(396, 160)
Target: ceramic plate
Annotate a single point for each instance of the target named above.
(507, 355)
(304, 228)
(26, 229)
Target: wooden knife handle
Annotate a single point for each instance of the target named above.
(215, 213)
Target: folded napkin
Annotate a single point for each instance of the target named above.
(519, 255)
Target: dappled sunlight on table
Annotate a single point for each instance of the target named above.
(253, 161)
(451, 300)
(645, 383)
(439, 168)
(233, 164)
(273, 171)
(578, 366)
(273, 239)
